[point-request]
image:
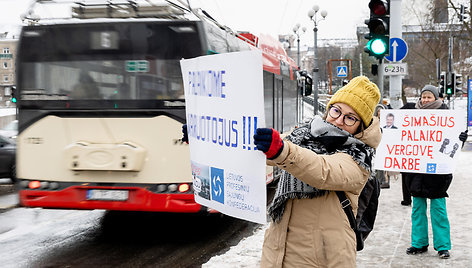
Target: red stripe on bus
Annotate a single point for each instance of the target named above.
(139, 199)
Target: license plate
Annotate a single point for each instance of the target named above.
(108, 195)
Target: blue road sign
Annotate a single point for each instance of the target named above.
(398, 50)
(342, 71)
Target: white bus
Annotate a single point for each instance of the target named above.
(101, 106)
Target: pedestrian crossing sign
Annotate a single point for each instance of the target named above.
(342, 71)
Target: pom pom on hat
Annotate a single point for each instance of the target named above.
(361, 95)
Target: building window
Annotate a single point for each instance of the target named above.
(5, 78)
(5, 65)
(6, 50)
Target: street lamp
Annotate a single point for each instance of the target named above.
(312, 14)
(296, 31)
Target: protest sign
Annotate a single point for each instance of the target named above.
(224, 105)
(419, 141)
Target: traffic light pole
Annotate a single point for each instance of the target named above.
(449, 56)
(380, 80)
(395, 32)
(450, 72)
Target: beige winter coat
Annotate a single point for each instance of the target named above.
(316, 232)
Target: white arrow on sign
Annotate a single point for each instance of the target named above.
(215, 180)
(395, 45)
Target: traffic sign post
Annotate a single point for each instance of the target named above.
(395, 82)
(340, 70)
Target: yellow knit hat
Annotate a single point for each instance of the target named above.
(361, 94)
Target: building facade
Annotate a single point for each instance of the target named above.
(7, 69)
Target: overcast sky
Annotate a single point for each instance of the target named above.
(257, 16)
(279, 16)
(272, 17)
(11, 9)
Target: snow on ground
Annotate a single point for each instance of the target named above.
(245, 254)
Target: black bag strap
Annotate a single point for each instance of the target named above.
(346, 205)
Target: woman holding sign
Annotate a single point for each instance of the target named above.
(309, 226)
(425, 186)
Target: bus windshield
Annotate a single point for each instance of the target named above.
(122, 61)
(102, 79)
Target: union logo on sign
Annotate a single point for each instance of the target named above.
(431, 168)
(217, 185)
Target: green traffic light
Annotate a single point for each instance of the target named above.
(377, 46)
(13, 100)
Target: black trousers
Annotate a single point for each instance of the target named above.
(405, 190)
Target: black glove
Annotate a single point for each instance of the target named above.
(184, 133)
(463, 136)
(268, 141)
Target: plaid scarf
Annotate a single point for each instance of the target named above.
(322, 138)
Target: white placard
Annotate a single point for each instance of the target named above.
(420, 141)
(224, 99)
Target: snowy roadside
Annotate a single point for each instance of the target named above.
(246, 254)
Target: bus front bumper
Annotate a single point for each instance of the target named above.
(137, 199)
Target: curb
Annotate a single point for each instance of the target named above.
(6, 208)
(6, 189)
(5, 203)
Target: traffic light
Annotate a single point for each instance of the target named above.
(450, 83)
(12, 95)
(458, 83)
(442, 82)
(378, 24)
(375, 69)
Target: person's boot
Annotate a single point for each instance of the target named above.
(405, 203)
(444, 254)
(414, 251)
(385, 184)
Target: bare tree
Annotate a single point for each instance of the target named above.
(429, 41)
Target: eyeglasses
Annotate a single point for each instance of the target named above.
(349, 120)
